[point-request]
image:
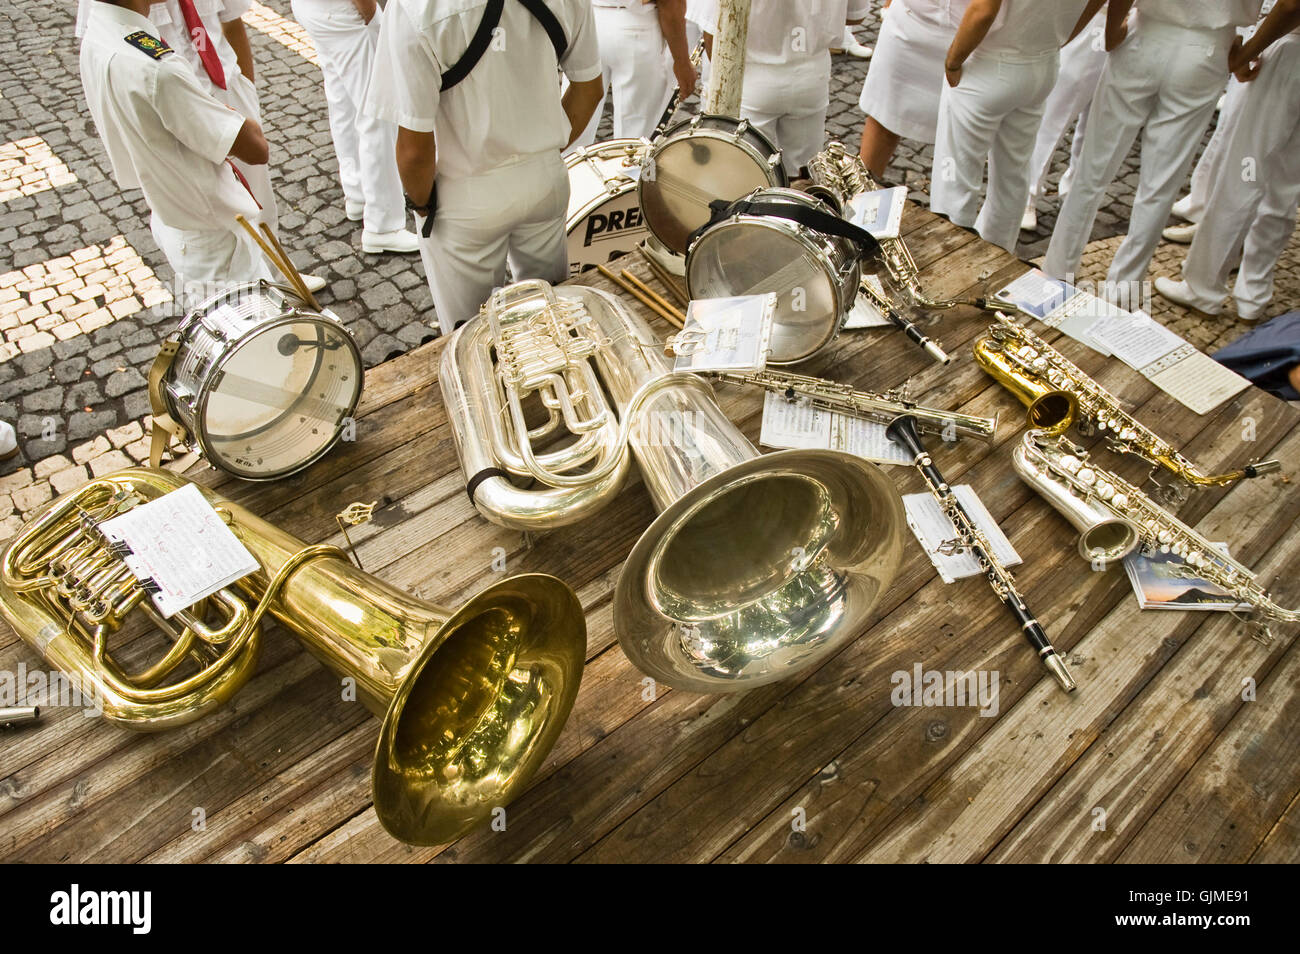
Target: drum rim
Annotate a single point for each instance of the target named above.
(195, 314)
(800, 233)
(205, 392)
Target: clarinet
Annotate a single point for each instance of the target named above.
(970, 538)
(905, 325)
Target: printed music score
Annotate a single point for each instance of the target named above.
(934, 530)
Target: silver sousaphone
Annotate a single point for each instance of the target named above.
(757, 566)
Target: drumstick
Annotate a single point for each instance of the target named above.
(654, 296)
(667, 316)
(295, 275)
(290, 274)
(661, 273)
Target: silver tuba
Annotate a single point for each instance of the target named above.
(756, 567)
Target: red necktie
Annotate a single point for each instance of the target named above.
(203, 44)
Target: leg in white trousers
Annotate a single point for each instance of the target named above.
(1251, 208)
(364, 145)
(208, 261)
(632, 50)
(787, 102)
(241, 95)
(1165, 80)
(1082, 60)
(1207, 167)
(993, 115)
(514, 215)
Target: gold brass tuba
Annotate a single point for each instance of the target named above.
(471, 699)
(756, 567)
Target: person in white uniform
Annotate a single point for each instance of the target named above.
(1251, 217)
(901, 92)
(1000, 68)
(786, 89)
(1082, 60)
(346, 35)
(633, 36)
(1162, 80)
(165, 135)
(479, 137)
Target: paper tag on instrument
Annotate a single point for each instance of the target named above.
(180, 543)
(933, 529)
(799, 425)
(864, 313)
(879, 212)
(725, 334)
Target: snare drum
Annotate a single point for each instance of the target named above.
(604, 219)
(261, 384)
(815, 276)
(697, 161)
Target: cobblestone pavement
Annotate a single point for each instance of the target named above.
(84, 292)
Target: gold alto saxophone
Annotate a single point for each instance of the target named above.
(1065, 476)
(1058, 393)
(883, 408)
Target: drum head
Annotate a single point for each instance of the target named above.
(277, 399)
(684, 175)
(757, 256)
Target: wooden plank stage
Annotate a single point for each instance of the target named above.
(1161, 755)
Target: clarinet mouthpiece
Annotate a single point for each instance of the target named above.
(1056, 666)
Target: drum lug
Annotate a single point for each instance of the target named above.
(742, 127)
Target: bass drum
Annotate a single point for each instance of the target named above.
(698, 161)
(604, 219)
(815, 276)
(262, 384)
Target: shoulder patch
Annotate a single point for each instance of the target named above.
(149, 44)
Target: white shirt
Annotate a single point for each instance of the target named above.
(508, 107)
(163, 133)
(1030, 26)
(170, 24)
(786, 31)
(1201, 14)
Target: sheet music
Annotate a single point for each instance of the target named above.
(1136, 340)
(1198, 382)
(933, 528)
(1060, 305)
(864, 313)
(879, 212)
(863, 438)
(183, 545)
(725, 334)
(793, 424)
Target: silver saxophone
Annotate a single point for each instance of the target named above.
(882, 408)
(1114, 518)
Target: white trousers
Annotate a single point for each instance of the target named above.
(513, 214)
(241, 95)
(365, 146)
(209, 261)
(635, 69)
(1082, 60)
(993, 115)
(1162, 81)
(1211, 161)
(787, 102)
(1251, 207)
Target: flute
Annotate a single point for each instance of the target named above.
(970, 538)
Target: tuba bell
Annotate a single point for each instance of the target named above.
(756, 567)
(471, 699)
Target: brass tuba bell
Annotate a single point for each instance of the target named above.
(471, 699)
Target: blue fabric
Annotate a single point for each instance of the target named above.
(1266, 355)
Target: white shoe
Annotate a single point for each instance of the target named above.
(1182, 234)
(356, 210)
(1251, 312)
(1183, 209)
(1180, 294)
(853, 47)
(398, 240)
(8, 440)
(1029, 221)
(314, 283)
(1067, 180)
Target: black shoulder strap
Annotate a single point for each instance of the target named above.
(478, 44)
(815, 219)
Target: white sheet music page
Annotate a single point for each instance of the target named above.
(864, 313)
(1060, 305)
(794, 424)
(933, 529)
(863, 438)
(725, 334)
(879, 212)
(183, 545)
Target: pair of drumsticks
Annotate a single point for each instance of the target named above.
(278, 257)
(646, 295)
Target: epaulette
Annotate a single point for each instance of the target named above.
(148, 43)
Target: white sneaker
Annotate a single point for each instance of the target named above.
(398, 240)
(356, 210)
(1251, 312)
(1180, 294)
(8, 440)
(1183, 209)
(1182, 234)
(314, 283)
(853, 47)
(1029, 221)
